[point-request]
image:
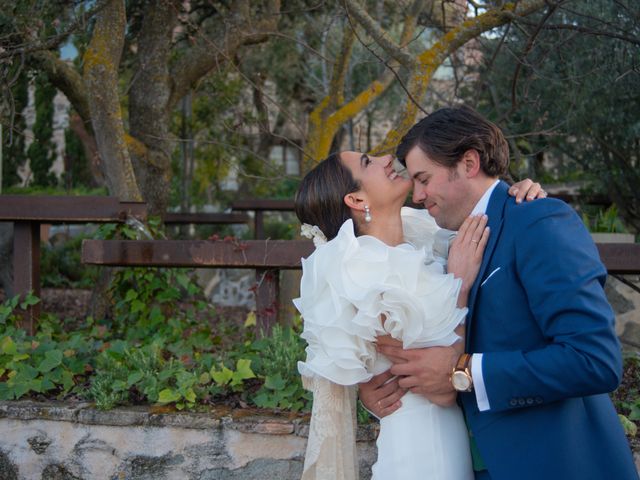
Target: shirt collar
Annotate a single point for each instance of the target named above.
(483, 203)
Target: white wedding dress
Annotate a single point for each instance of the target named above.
(348, 285)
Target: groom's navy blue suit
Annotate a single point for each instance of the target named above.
(539, 315)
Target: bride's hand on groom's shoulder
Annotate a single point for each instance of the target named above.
(527, 190)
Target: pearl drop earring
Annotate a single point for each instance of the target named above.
(367, 214)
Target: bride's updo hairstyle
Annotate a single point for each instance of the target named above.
(320, 197)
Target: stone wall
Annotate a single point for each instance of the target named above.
(623, 292)
(63, 442)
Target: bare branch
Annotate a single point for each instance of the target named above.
(376, 32)
(389, 67)
(202, 58)
(527, 49)
(590, 31)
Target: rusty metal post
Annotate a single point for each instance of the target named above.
(267, 292)
(259, 225)
(26, 267)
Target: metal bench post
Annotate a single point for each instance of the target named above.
(267, 299)
(26, 267)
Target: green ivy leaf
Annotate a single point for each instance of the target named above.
(5, 313)
(29, 301)
(183, 280)
(6, 393)
(131, 295)
(137, 306)
(8, 346)
(120, 386)
(47, 384)
(52, 359)
(263, 400)
(19, 389)
(156, 315)
(222, 377)
(274, 382)
(630, 428)
(134, 378)
(243, 372)
(168, 396)
(190, 395)
(35, 385)
(635, 412)
(67, 380)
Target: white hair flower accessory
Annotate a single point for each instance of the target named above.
(313, 232)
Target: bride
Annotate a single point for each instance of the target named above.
(379, 269)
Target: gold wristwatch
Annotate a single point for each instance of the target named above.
(461, 375)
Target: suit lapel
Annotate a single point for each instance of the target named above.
(495, 211)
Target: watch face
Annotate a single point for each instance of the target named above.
(460, 381)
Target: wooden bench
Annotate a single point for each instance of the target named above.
(267, 257)
(28, 212)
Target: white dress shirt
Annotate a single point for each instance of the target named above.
(476, 359)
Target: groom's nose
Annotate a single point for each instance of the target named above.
(419, 195)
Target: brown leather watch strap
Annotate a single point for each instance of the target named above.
(463, 361)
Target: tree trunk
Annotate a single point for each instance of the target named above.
(101, 62)
(149, 116)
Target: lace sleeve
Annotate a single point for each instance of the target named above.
(331, 446)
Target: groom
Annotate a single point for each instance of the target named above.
(542, 353)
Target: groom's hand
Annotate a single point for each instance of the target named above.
(426, 371)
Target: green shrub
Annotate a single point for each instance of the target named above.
(606, 221)
(276, 358)
(158, 348)
(52, 362)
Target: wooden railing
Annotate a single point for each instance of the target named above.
(28, 212)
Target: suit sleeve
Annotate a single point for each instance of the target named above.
(558, 266)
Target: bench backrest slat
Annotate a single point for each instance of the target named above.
(67, 209)
(280, 254)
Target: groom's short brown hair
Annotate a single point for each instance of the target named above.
(448, 133)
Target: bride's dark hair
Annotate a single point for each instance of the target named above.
(320, 197)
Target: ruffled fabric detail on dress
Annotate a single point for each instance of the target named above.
(348, 285)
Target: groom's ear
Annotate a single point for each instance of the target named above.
(354, 201)
(471, 162)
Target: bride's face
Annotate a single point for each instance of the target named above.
(379, 181)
